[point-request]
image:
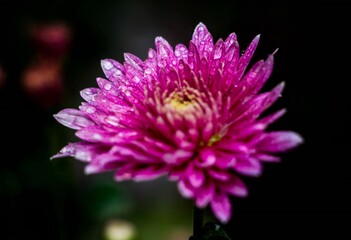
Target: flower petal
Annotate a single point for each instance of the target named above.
(249, 167)
(73, 118)
(279, 141)
(81, 150)
(235, 187)
(221, 207)
(203, 40)
(185, 189)
(204, 195)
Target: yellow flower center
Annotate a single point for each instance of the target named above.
(182, 100)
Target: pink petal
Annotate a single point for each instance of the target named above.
(203, 40)
(80, 150)
(248, 167)
(185, 189)
(148, 173)
(207, 157)
(244, 60)
(89, 94)
(164, 52)
(280, 141)
(219, 175)
(221, 207)
(266, 157)
(181, 52)
(73, 118)
(204, 195)
(134, 61)
(273, 117)
(112, 69)
(235, 187)
(195, 176)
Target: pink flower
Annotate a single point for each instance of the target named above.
(191, 113)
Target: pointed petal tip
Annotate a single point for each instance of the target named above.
(254, 43)
(241, 191)
(106, 64)
(298, 139)
(159, 39)
(58, 155)
(281, 85)
(222, 208)
(200, 24)
(223, 217)
(89, 169)
(257, 38)
(295, 140)
(275, 51)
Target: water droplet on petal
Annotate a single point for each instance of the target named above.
(107, 65)
(107, 86)
(90, 109)
(136, 79)
(118, 72)
(112, 120)
(148, 71)
(217, 54)
(151, 54)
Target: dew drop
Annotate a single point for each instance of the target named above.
(107, 86)
(163, 51)
(151, 54)
(88, 92)
(107, 65)
(148, 71)
(90, 109)
(97, 136)
(217, 54)
(177, 53)
(136, 79)
(112, 120)
(118, 72)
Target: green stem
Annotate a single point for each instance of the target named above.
(198, 216)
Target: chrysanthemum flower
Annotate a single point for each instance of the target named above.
(191, 113)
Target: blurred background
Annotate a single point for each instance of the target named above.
(50, 50)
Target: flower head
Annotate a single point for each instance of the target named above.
(191, 113)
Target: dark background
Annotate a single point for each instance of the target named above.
(307, 195)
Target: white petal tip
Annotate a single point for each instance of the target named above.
(90, 169)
